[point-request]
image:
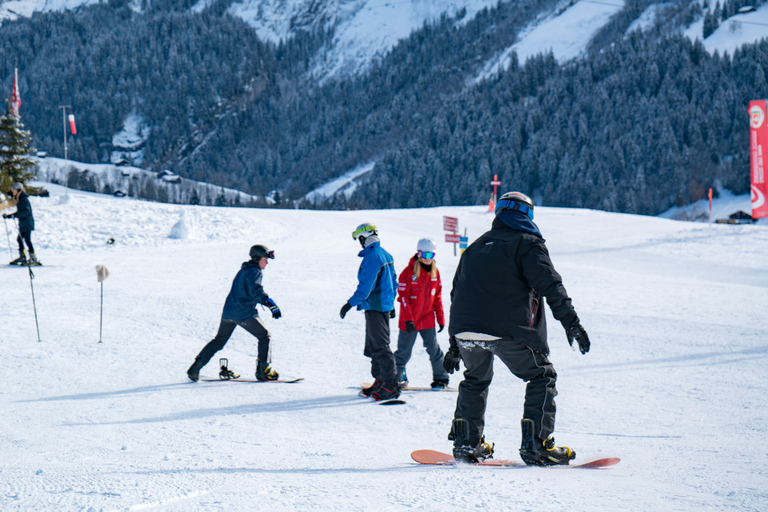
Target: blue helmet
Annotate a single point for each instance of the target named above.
(515, 201)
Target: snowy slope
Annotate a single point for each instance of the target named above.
(674, 385)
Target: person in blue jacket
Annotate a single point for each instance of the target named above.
(240, 309)
(375, 294)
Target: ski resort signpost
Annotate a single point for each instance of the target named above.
(758, 141)
(451, 224)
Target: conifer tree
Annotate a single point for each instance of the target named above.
(15, 152)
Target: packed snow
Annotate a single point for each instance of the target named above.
(674, 384)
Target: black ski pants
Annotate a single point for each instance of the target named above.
(532, 367)
(253, 325)
(25, 236)
(377, 347)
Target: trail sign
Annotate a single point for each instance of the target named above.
(452, 238)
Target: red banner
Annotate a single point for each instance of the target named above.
(758, 141)
(72, 124)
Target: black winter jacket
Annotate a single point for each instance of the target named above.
(24, 213)
(498, 286)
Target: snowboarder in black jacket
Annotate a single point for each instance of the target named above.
(496, 310)
(240, 309)
(26, 224)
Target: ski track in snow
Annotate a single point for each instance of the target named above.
(674, 385)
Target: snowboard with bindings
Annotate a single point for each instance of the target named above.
(282, 381)
(391, 401)
(432, 457)
(414, 388)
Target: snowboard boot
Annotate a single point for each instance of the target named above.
(194, 371)
(537, 452)
(439, 384)
(366, 392)
(21, 260)
(463, 451)
(386, 391)
(264, 372)
(226, 373)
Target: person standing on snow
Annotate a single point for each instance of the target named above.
(375, 294)
(240, 309)
(419, 295)
(26, 224)
(496, 311)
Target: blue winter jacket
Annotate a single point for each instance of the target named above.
(245, 294)
(377, 281)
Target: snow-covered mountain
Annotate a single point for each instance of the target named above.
(364, 30)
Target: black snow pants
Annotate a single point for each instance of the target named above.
(226, 327)
(377, 347)
(530, 366)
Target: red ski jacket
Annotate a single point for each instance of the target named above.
(420, 298)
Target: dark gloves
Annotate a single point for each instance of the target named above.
(392, 314)
(441, 328)
(6, 215)
(577, 332)
(344, 309)
(410, 326)
(273, 308)
(452, 358)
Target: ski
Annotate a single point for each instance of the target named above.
(432, 457)
(282, 381)
(38, 264)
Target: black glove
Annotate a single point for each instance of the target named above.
(577, 332)
(410, 326)
(392, 314)
(6, 216)
(273, 308)
(441, 328)
(451, 359)
(344, 309)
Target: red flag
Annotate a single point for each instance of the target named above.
(72, 124)
(15, 98)
(758, 141)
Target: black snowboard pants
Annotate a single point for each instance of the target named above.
(253, 325)
(377, 347)
(532, 367)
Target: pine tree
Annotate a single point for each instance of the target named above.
(15, 160)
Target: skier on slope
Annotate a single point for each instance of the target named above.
(26, 225)
(496, 310)
(375, 294)
(419, 295)
(240, 309)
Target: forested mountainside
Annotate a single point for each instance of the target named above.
(646, 119)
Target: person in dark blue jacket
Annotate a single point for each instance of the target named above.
(375, 294)
(26, 224)
(240, 309)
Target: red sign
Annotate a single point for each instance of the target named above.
(453, 239)
(758, 141)
(450, 224)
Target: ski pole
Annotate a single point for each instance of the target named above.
(34, 306)
(8, 236)
(101, 311)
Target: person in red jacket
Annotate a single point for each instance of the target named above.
(419, 294)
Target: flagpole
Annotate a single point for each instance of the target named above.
(64, 119)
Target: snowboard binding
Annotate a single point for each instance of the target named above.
(226, 373)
